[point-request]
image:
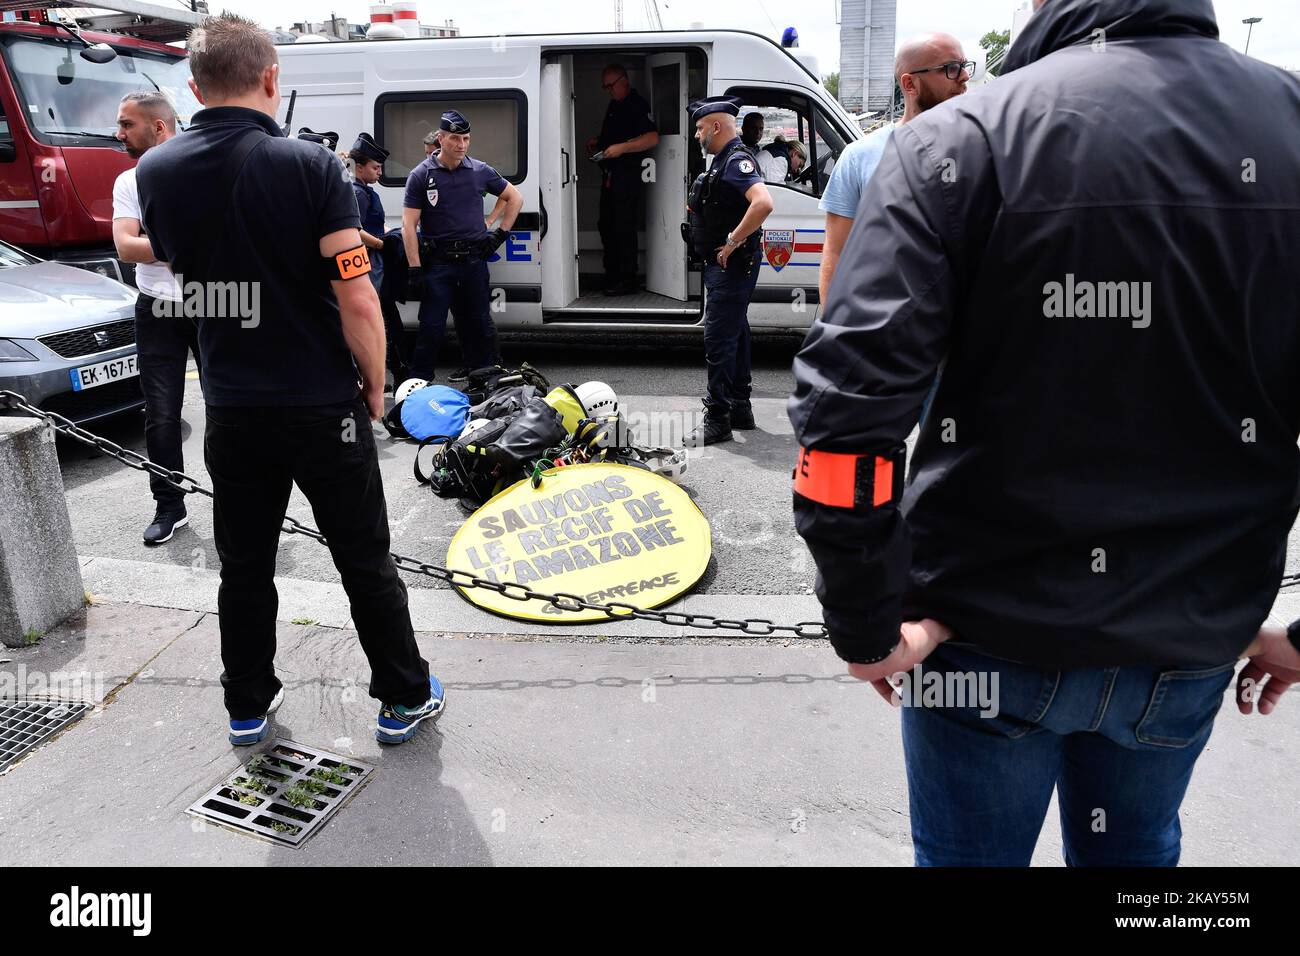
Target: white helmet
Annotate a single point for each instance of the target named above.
(474, 426)
(407, 387)
(597, 398)
(666, 463)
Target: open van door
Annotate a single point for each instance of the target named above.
(559, 186)
(665, 253)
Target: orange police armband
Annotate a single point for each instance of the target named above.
(348, 265)
(860, 482)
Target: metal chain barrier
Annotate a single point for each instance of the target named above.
(614, 610)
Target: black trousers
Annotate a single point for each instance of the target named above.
(162, 345)
(254, 457)
(620, 210)
(726, 334)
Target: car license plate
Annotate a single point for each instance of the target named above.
(90, 376)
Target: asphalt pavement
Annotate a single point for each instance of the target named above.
(606, 744)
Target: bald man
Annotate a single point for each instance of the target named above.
(929, 69)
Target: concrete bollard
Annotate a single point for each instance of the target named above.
(40, 580)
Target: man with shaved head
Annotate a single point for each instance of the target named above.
(929, 69)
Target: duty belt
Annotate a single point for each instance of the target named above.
(449, 250)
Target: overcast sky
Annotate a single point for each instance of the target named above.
(1276, 39)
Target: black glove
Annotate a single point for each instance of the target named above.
(414, 283)
(490, 243)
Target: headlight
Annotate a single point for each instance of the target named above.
(13, 352)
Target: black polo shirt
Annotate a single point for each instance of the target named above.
(275, 337)
(625, 119)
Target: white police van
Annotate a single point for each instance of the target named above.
(534, 101)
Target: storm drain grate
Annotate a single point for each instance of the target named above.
(26, 723)
(285, 794)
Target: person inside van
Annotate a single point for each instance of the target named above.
(626, 134)
(781, 160)
(751, 129)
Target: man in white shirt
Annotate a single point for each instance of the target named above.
(163, 335)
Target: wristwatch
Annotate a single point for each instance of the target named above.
(1293, 635)
(732, 242)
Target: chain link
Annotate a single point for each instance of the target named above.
(614, 610)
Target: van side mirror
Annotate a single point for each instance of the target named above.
(8, 152)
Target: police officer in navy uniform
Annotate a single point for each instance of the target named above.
(367, 166)
(448, 261)
(626, 133)
(727, 206)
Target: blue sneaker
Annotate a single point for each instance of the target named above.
(246, 732)
(397, 723)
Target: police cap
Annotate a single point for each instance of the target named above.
(328, 140)
(453, 122)
(715, 104)
(367, 148)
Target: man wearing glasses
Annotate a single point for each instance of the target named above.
(929, 69)
(626, 134)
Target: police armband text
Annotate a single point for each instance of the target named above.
(347, 265)
(860, 482)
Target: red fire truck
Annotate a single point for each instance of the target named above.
(60, 83)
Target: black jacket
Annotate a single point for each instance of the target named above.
(1086, 491)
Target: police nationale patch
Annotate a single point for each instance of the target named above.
(432, 196)
(746, 167)
(778, 246)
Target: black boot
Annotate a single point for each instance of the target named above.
(715, 429)
(742, 416)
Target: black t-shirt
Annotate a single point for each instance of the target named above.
(269, 328)
(625, 119)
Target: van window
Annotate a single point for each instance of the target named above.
(787, 131)
(793, 119)
(498, 124)
(830, 143)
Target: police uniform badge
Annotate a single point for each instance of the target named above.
(431, 190)
(746, 166)
(778, 246)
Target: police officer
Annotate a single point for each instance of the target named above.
(284, 404)
(728, 204)
(627, 132)
(448, 262)
(367, 166)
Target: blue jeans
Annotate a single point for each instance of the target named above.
(726, 334)
(1118, 744)
(460, 285)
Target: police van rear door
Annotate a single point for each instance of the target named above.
(559, 184)
(665, 175)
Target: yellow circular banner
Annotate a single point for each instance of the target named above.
(602, 532)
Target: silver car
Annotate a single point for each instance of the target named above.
(67, 338)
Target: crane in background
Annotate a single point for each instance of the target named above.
(652, 16)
